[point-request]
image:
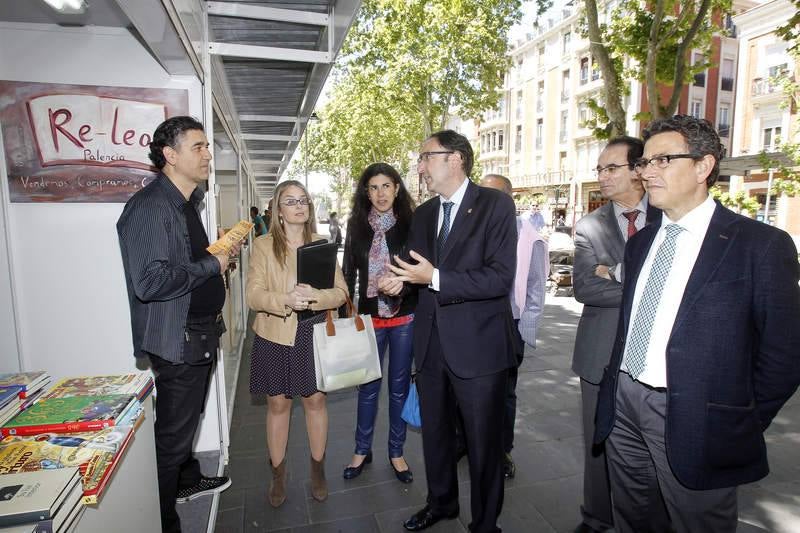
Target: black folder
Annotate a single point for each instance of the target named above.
(316, 266)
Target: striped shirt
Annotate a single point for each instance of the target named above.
(159, 271)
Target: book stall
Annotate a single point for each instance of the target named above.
(59, 453)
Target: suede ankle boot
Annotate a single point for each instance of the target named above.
(319, 487)
(277, 489)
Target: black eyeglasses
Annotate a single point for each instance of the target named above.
(610, 169)
(291, 202)
(425, 156)
(660, 161)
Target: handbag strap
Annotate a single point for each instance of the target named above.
(330, 329)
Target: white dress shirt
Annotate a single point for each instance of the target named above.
(457, 198)
(695, 224)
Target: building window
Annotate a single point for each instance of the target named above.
(562, 135)
(541, 57)
(565, 86)
(519, 104)
(777, 70)
(494, 141)
(700, 77)
(565, 40)
(540, 97)
(772, 138)
(723, 124)
(595, 70)
(726, 82)
(697, 109)
(584, 71)
(730, 27)
(518, 139)
(500, 140)
(583, 113)
(539, 132)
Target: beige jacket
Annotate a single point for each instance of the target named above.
(268, 281)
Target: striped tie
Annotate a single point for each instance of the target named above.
(444, 231)
(639, 338)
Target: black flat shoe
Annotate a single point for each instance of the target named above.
(352, 472)
(426, 518)
(404, 476)
(509, 468)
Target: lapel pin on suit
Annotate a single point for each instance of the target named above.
(469, 210)
(723, 236)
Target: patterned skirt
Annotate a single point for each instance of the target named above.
(288, 370)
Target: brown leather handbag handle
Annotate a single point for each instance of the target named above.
(330, 329)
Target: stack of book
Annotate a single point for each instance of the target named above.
(86, 422)
(48, 501)
(10, 402)
(95, 453)
(32, 385)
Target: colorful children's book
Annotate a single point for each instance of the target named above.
(98, 471)
(136, 384)
(70, 414)
(96, 453)
(53, 450)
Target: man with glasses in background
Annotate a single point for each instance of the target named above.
(707, 345)
(597, 277)
(463, 248)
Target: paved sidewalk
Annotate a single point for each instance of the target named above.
(544, 496)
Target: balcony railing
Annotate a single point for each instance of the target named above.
(726, 84)
(763, 86)
(565, 96)
(554, 177)
(724, 130)
(700, 79)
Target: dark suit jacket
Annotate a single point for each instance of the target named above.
(733, 357)
(598, 241)
(472, 309)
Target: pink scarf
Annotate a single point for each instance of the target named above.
(379, 259)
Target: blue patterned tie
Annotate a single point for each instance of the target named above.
(636, 348)
(444, 231)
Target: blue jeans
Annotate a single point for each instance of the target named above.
(399, 341)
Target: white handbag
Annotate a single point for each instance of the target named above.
(345, 351)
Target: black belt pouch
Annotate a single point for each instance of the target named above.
(201, 339)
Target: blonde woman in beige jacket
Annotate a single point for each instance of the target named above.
(282, 361)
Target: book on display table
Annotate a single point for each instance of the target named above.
(71, 414)
(27, 497)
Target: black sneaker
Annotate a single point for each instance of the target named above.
(206, 485)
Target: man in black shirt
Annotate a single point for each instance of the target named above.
(176, 293)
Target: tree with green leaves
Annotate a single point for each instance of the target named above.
(648, 42)
(406, 65)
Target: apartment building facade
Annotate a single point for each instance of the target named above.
(763, 116)
(537, 135)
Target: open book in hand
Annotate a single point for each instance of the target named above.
(232, 237)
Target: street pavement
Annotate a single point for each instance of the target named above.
(544, 496)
